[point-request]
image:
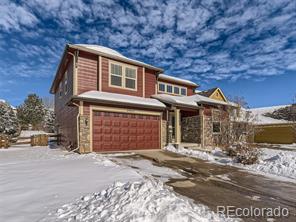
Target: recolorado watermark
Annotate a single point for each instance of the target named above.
(253, 212)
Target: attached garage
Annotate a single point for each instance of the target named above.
(118, 131)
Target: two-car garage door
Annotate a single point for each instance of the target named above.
(124, 131)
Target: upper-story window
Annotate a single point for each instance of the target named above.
(66, 82)
(161, 87)
(60, 89)
(130, 78)
(123, 76)
(183, 91)
(116, 75)
(169, 88)
(176, 90)
(172, 89)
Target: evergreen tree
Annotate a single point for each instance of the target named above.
(9, 124)
(31, 112)
(49, 121)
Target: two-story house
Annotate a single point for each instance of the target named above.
(105, 101)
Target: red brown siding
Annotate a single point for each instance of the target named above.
(87, 72)
(66, 115)
(150, 82)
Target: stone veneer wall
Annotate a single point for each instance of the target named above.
(216, 139)
(191, 129)
(84, 134)
(164, 129)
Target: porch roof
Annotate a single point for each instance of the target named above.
(192, 101)
(115, 98)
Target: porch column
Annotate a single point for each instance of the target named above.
(177, 126)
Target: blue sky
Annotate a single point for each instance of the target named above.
(248, 48)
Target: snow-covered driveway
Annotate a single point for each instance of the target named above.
(35, 181)
(42, 184)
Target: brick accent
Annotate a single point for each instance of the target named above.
(84, 134)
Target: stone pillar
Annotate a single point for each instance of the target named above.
(164, 129)
(177, 126)
(202, 129)
(84, 134)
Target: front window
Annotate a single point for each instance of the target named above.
(216, 127)
(176, 90)
(60, 89)
(130, 78)
(183, 92)
(123, 76)
(169, 88)
(161, 87)
(116, 75)
(66, 82)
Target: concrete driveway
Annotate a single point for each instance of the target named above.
(218, 185)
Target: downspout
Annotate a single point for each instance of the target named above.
(74, 56)
(78, 127)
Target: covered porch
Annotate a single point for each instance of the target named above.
(185, 126)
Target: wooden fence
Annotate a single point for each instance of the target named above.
(34, 140)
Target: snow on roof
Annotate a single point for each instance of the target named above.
(120, 98)
(4, 101)
(102, 49)
(176, 79)
(187, 100)
(112, 53)
(259, 117)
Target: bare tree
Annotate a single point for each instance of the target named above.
(241, 132)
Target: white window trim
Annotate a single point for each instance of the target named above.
(123, 76)
(173, 85)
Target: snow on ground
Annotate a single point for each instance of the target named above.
(259, 117)
(147, 200)
(36, 181)
(279, 164)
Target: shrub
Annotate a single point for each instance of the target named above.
(244, 153)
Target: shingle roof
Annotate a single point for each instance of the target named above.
(208, 92)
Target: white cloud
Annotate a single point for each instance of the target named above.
(194, 39)
(13, 16)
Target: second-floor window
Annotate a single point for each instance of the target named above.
(123, 76)
(66, 82)
(171, 89)
(60, 89)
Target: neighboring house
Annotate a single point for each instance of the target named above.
(271, 130)
(105, 101)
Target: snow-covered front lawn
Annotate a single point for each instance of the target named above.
(279, 164)
(43, 184)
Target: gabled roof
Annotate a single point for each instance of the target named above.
(211, 93)
(176, 79)
(99, 50)
(115, 98)
(111, 53)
